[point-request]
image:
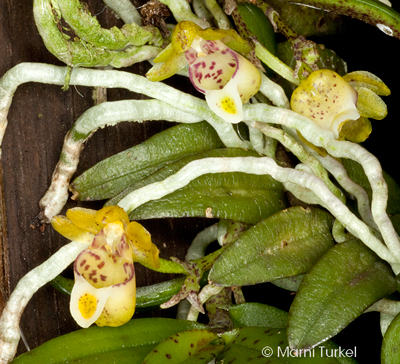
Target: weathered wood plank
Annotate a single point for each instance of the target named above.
(38, 120)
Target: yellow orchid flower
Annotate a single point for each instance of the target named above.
(341, 104)
(105, 286)
(226, 78)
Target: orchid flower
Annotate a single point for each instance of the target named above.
(105, 287)
(341, 104)
(227, 79)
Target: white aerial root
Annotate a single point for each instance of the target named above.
(125, 10)
(260, 166)
(26, 287)
(341, 149)
(107, 113)
(200, 243)
(339, 172)
(181, 10)
(55, 75)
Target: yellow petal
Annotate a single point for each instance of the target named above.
(183, 35)
(164, 70)
(356, 131)
(144, 251)
(121, 303)
(248, 79)
(168, 52)
(84, 219)
(69, 230)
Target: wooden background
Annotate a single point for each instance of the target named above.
(41, 115)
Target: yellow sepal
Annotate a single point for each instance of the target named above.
(110, 214)
(369, 104)
(84, 219)
(66, 228)
(368, 80)
(144, 251)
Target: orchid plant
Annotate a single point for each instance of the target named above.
(172, 175)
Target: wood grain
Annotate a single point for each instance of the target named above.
(38, 120)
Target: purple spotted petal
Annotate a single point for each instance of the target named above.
(212, 67)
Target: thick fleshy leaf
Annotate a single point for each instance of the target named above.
(326, 99)
(233, 196)
(341, 285)
(112, 175)
(258, 314)
(270, 345)
(172, 168)
(390, 353)
(374, 12)
(128, 345)
(180, 347)
(288, 243)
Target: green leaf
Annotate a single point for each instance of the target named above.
(341, 285)
(258, 314)
(233, 196)
(285, 244)
(374, 12)
(306, 20)
(390, 351)
(180, 347)
(129, 343)
(112, 175)
(268, 345)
